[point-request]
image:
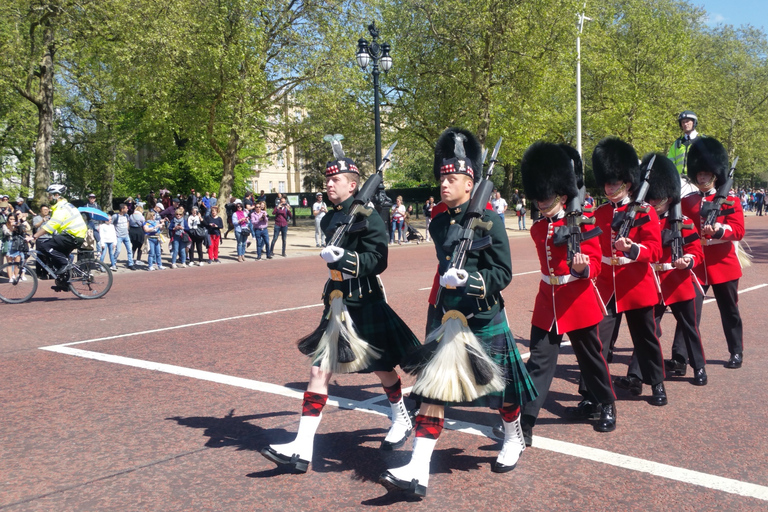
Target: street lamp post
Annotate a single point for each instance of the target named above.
(379, 55)
(580, 27)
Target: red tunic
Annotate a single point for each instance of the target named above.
(573, 305)
(677, 285)
(720, 263)
(633, 283)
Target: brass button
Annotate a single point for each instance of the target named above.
(448, 258)
(453, 221)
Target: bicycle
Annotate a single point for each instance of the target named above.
(87, 278)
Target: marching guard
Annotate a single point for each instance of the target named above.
(720, 268)
(627, 282)
(681, 251)
(470, 355)
(359, 332)
(567, 301)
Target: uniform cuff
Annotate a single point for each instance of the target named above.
(634, 252)
(347, 264)
(475, 286)
(583, 275)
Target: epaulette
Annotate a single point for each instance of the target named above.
(438, 209)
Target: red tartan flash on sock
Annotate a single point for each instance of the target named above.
(429, 427)
(394, 392)
(510, 413)
(313, 404)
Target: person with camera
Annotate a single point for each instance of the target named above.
(318, 211)
(282, 213)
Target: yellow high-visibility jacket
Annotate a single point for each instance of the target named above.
(66, 218)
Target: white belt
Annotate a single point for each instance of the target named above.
(662, 267)
(713, 241)
(616, 261)
(337, 275)
(558, 280)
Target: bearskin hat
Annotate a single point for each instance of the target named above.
(664, 181)
(615, 160)
(708, 155)
(546, 170)
(446, 160)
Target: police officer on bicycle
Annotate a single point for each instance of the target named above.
(67, 229)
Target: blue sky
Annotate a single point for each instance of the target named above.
(736, 12)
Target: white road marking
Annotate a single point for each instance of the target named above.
(594, 454)
(745, 290)
(206, 322)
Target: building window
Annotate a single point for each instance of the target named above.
(270, 187)
(281, 186)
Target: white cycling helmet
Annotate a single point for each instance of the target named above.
(57, 189)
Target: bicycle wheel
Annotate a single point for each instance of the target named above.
(90, 279)
(17, 283)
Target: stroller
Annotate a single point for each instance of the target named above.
(412, 234)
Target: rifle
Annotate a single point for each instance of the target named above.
(346, 223)
(710, 210)
(574, 212)
(465, 233)
(629, 217)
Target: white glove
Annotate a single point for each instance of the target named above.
(332, 254)
(454, 278)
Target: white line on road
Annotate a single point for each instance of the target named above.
(745, 290)
(594, 454)
(152, 331)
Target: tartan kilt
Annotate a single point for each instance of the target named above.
(499, 343)
(380, 326)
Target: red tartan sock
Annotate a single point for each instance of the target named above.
(313, 404)
(394, 392)
(510, 413)
(429, 427)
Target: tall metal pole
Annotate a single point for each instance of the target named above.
(376, 120)
(580, 27)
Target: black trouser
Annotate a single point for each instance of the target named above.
(542, 363)
(58, 249)
(727, 297)
(642, 329)
(685, 313)
(136, 235)
(197, 243)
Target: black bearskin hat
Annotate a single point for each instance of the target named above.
(708, 155)
(615, 160)
(547, 172)
(446, 160)
(578, 164)
(664, 181)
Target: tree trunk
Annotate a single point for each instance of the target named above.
(229, 159)
(45, 118)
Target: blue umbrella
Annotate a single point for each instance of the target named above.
(95, 213)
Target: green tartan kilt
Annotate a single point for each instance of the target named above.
(379, 325)
(500, 345)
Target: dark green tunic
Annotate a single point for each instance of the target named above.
(365, 257)
(490, 271)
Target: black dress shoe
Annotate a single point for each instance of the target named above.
(607, 421)
(393, 483)
(659, 395)
(297, 465)
(631, 384)
(699, 377)
(585, 411)
(734, 361)
(675, 367)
